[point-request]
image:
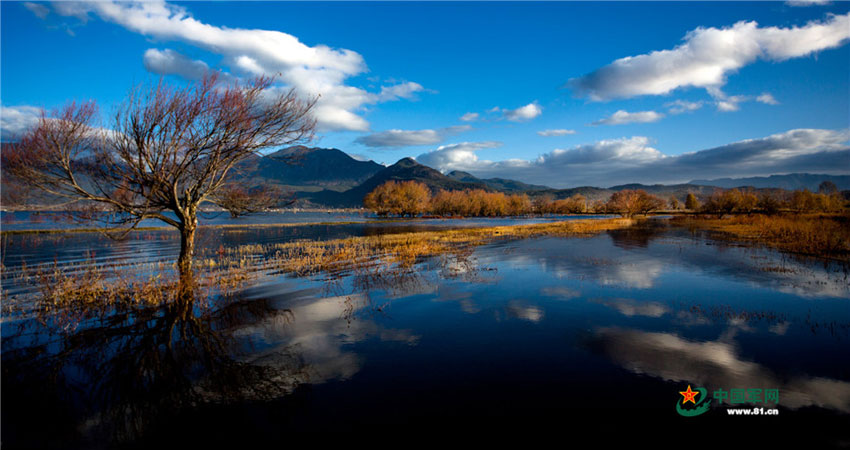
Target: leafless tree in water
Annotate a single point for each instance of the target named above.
(166, 149)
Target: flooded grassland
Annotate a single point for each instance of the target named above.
(356, 326)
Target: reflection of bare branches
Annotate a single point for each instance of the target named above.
(126, 370)
(396, 281)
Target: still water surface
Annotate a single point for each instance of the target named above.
(536, 334)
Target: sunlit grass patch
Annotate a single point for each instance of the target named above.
(823, 235)
(89, 288)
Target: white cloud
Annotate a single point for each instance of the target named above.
(406, 138)
(523, 113)
(469, 117)
(767, 99)
(15, 121)
(556, 132)
(456, 156)
(165, 62)
(623, 117)
(634, 160)
(38, 9)
(728, 104)
(80, 10)
(313, 70)
(707, 56)
(405, 90)
(682, 106)
(806, 2)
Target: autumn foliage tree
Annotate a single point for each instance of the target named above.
(166, 149)
(630, 202)
(402, 198)
(731, 201)
(691, 202)
(392, 196)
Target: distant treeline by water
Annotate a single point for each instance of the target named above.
(412, 198)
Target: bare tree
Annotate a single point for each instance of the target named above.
(166, 149)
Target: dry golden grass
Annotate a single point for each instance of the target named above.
(405, 249)
(88, 288)
(821, 235)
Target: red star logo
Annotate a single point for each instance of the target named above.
(689, 395)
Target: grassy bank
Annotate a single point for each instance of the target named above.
(821, 235)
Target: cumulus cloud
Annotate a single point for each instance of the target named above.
(623, 117)
(707, 56)
(313, 70)
(406, 138)
(523, 113)
(469, 117)
(556, 132)
(15, 121)
(682, 106)
(627, 160)
(456, 156)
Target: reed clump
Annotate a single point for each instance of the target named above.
(822, 235)
(71, 294)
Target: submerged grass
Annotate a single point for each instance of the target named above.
(821, 235)
(404, 249)
(88, 287)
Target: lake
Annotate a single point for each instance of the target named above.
(543, 334)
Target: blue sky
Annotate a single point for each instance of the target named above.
(708, 90)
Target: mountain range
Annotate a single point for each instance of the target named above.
(789, 182)
(329, 177)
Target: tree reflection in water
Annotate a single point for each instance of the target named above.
(124, 375)
(112, 379)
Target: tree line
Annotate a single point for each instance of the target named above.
(413, 198)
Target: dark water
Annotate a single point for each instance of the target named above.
(46, 220)
(538, 335)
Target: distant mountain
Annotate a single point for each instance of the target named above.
(329, 177)
(792, 181)
(301, 166)
(591, 193)
(404, 170)
(498, 184)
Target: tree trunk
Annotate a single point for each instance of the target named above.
(184, 261)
